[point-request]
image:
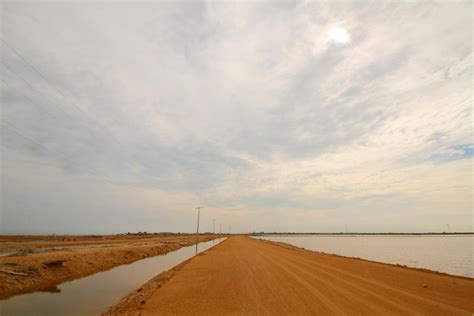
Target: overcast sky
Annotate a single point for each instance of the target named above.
(275, 116)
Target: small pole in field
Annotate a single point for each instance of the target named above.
(213, 231)
(197, 231)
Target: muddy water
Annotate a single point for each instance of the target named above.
(93, 294)
(448, 254)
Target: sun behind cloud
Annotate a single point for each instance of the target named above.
(338, 35)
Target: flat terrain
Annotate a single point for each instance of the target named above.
(248, 276)
(31, 263)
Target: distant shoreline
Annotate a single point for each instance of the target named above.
(8, 237)
(362, 234)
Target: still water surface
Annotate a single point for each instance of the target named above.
(448, 254)
(91, 295)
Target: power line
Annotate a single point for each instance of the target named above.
(43, 108)
(64, 112)
(5, 65)
(30, 65)
(78, 108)
(31, 101)
(13, 129)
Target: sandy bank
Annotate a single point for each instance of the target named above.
(247, 276)
(32, 263)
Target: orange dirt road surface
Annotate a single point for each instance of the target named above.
(244, 276)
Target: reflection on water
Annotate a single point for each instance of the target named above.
(93, 294)
(449, 254)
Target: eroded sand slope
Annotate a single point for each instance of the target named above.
(31, 263)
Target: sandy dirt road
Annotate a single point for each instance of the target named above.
(243, 276)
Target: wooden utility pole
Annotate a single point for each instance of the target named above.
(197, 230)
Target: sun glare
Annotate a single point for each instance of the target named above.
(338, 35)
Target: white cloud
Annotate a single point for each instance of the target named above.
(247, 108)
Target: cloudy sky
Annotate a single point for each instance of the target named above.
(276, 116)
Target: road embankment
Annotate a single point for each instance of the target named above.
(33, 263)
(248, 276)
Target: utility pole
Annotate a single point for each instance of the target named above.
(346, 229)
(214, 226)
(197, 231)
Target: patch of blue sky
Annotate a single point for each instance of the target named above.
(457, 152)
